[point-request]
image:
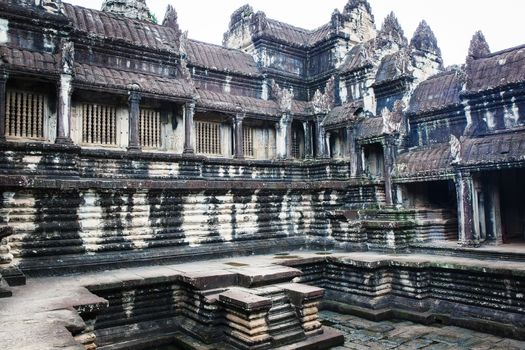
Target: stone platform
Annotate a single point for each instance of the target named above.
(261, 301)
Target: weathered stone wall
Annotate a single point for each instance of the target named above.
(454, 292)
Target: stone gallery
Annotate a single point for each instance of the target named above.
(160, 191)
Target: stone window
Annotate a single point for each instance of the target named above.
(25, 114)
(150, 128)
(99, 124)
(208, 137)
(247, 135)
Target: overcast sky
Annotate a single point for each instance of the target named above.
(453, 21)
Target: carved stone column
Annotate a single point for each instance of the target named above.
(283, 139)
(289, 138)
(321, 137)
(464, 191)
(351, 150)
(239, 144)
(134, 115)
(389, 151)
(65, 90)
(307, 140)
(3, 83)
(189, 142)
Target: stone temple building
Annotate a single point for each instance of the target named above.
(352, 167)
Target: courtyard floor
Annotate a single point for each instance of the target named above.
(361, 334)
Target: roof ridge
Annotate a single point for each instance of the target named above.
(510, 49)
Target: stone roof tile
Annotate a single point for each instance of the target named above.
(342, 114)
(133, 32)
(220, 58)
(498, 69)
(437, 92)
(118, 79)
(232, 103)
(425, 162)
(30, 60)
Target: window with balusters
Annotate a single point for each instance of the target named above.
(208, 138)
(150, 128)
(99, 124)
(247, 138)
(25, 114)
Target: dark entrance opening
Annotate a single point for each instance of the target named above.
(436, 208)
(374, 160)
(512, 202)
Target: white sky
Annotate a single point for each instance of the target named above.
(453, 21)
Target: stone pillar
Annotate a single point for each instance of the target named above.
(239, 144)
(289, 138)
(3, 84)
(307, 141)
(134, 116)
(464, 190)
(351, 151)
(320, 135)
(65, 90)
(189, 142)
(283, 132)
(388, 163)
(495, 229)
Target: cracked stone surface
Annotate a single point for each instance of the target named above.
(362, 334)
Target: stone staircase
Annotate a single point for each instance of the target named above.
(283, 322)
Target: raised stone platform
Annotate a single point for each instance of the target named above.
(260, 302)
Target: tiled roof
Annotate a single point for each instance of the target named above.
(498, 69)
(30, 60)
(358, 57)
(496, 148)
(287, 33)
(219, 58)
(392, 67)
(424, 162)
(231, 103)
(119, 79)
(437, 92)
(302, 108)
(341, 114)
(370, 127)
(322, 33)
(106, 25)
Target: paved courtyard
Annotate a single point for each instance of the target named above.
(361, 334)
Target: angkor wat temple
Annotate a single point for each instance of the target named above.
(352, 168)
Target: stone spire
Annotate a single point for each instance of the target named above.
(391, 33)
(171, 18)
(354, 4)
(425, 40)
(478, 46)
(135, 9)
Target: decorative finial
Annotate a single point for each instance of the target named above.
(425, 40)
(478, 46)
(171, 18)
(391, 33)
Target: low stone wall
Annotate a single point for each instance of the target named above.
(483, 295)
